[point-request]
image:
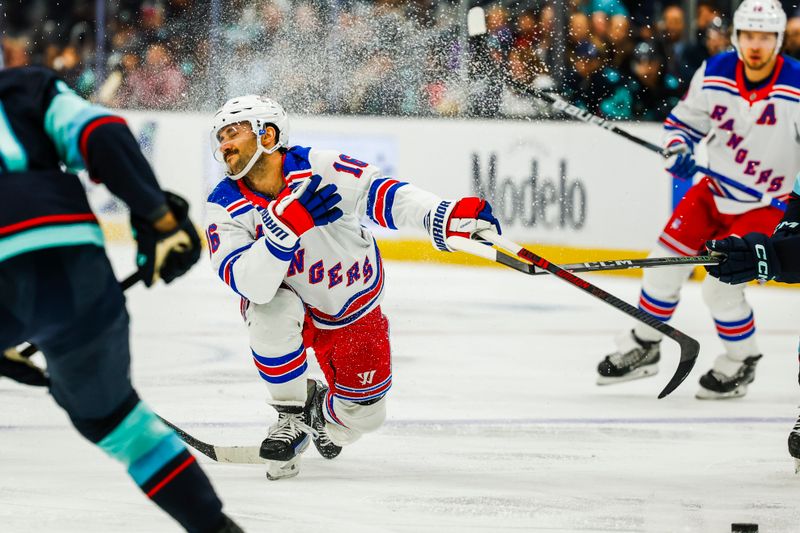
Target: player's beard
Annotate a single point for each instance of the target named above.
(235, 165)
(760, 64)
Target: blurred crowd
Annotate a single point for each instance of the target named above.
(623, 59)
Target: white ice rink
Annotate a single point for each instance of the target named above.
(495, 423)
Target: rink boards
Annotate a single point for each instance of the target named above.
(575, 191)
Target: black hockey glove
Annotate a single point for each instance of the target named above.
(22, 370)
(166, 255)
(747, 258)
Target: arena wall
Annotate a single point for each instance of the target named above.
(575, 192)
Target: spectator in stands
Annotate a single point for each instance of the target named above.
(525, 71)
(717, 38)
(545, 51)
(671, 43)
(707, 12)
(16, 51)
(653, 92)
(792, 37)
(596, 88)
(620, 45)
(707, 16)
(157, 84)
(579, 32)
(526, 25)
(121, 64)
(498, 29)
(70, 68)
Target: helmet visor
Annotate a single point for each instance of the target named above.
(225, 138)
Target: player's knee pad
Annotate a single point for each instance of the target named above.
(721, 297)
(143, 443)
(276, 327)
(354, 419)
(363, 417)
(276, 339)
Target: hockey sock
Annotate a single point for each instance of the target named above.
(662, 309)
(164, 469)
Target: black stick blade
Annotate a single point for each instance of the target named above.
(202, 447)
(690, 348)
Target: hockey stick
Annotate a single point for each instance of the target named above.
(689, 346)
(560, 104)
(492, 254)
(245, 455)
(125, 284)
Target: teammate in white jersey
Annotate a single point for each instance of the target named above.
(746, 106)
(284, 232)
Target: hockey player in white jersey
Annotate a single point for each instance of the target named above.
(284, 232)
(746, 105)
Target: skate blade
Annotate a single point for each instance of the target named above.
(705, 394)
(283, 470)
(797, 466)
(642, 372)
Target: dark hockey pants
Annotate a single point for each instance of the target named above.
(67, 301)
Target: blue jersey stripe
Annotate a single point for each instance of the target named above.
(389, 204)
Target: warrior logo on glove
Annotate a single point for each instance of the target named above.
(462, 218)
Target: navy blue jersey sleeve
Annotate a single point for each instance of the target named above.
(91, 137)
(786, 240)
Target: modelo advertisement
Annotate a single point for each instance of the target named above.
(557, 183)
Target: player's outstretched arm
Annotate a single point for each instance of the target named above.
(90, 137)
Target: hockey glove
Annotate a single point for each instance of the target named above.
(746, 258)
(297, 209)
(166, 255)
(20, 369)
(681, 162)
(462, 218)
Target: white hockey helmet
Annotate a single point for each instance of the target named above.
(259, 112)
(759, 15)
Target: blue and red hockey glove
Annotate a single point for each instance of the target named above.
(297, 209)
(460, 218)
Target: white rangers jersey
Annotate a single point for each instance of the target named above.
(752, 134)
(336, 270)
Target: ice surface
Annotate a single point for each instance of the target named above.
(495, 423)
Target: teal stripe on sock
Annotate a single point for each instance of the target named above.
(147, 465)
(50, 237)
(137, 435)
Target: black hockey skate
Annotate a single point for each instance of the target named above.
(639, 359)
(290, 435)
(322, 442)
(717, 386)
(794, 446)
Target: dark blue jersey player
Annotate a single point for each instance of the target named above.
(57, 288)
